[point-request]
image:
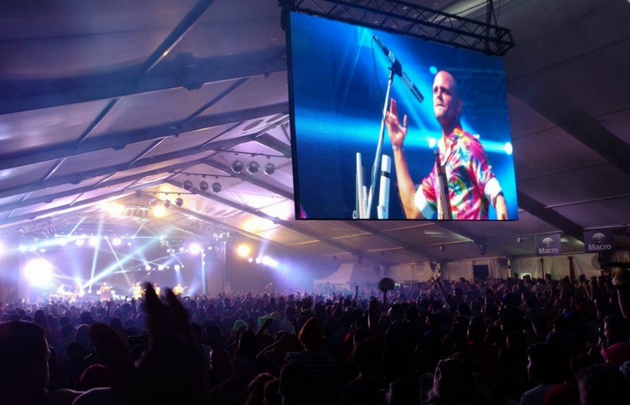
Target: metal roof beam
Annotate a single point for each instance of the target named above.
(184, 26)
(49, 198)
(292, 225)
(276, 189)
(105, 171)
(411, 20)
(120, 140)
(59, 209)
(576, 122)
(182, 71)
(394, 241)
(220, 224)
(275, 144)
(550, 216)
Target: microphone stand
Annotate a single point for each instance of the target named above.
(364, 208)
(395, 69)
(364, 198)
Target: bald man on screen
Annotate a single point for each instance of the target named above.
(470, 187)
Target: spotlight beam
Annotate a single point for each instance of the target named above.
(118, 260)
(111, 269)
(95, 257)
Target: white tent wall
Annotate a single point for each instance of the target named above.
(496, 268)
(451, 271)
(339, 279)
(582, 265)
(558, 266)
(622, 256)
(413, 273)
(349, 275)
(456, 270)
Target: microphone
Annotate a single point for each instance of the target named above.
(397, 69)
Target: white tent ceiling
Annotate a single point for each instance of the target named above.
(105, 101)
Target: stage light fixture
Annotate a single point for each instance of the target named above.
(159, 211)
(179, 201)
(38, 272)
(141, 212)
(270, 169)
(237, 166)
(188, 185)
(153, 202)
(216, 186)
(253, 167)
(167, 203)
(203, 186)
(194, 248)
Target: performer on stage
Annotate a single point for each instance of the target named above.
(79, 291)
(157, 289)
(136, 291)
(61, 291)
(178, 290)
(105, 292)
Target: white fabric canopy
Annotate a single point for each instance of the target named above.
(349, 275)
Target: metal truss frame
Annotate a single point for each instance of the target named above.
(412, 20)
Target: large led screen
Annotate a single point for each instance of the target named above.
(342, 80)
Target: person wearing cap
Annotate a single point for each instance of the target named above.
(238, 324)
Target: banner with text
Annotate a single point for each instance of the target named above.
(548, 245)
(598, 241)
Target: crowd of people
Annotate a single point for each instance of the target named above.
(478, 342)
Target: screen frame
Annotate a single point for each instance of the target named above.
(304, 211)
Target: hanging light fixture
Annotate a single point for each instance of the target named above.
(237, 166)
(179, 201)
(253, 167)
(270, 169)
